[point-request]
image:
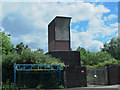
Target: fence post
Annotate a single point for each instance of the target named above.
(59, 73)
(106, 68)
(14, 74)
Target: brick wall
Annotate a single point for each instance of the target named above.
(68, 57)
(113, 75)
(62, 45)
(75, 76)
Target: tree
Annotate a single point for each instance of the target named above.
(94, 58)
(7, 46)
(113, 47)
(102, 57)
(39, 50)
(20, 47)
(83, 54)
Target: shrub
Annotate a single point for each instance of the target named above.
(39, 87)
(9, 86)
(28, 57)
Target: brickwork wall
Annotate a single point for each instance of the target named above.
(75, 77)
(113, 75)
(51, 36)
(62, 45)
(68, 57)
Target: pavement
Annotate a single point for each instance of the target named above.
(111, 87)
(108, 86)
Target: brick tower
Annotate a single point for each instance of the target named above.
(59, 34)
(59, 47)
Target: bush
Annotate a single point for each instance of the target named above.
(39, 86)
(9, 86)
(28, 57)
(9, 60)
(61, 87)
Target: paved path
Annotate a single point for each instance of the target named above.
(112, 87)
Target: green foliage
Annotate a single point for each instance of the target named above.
(61, 87)
(105, 63)
(96, 58)
(9, 60)
(20, 47)
(29, 57)
(71, 49)
(39, 50)
(113, 47)
(8, 86)
(6, 44)
(83, 54)
(102, 57)
(39, 87)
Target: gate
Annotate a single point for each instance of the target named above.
(97, 76)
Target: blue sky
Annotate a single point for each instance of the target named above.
(92, 24)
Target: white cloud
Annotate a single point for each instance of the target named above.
(114, 25)
(105, 18)
(11, 19)
(42, 1)
(0, 14)
(107, 31)
(60, 0)
(40, 14)
(1, 29)
(110, 17)
(76, 27)
(39, 38)
(119, 30)
(85, 39)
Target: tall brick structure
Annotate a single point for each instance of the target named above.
(59, 34)
(59, 47)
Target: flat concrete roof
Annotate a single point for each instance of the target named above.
(62, 17)
(59, 17)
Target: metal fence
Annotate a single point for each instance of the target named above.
(34, 68)
(46, 79)
(97, 76)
